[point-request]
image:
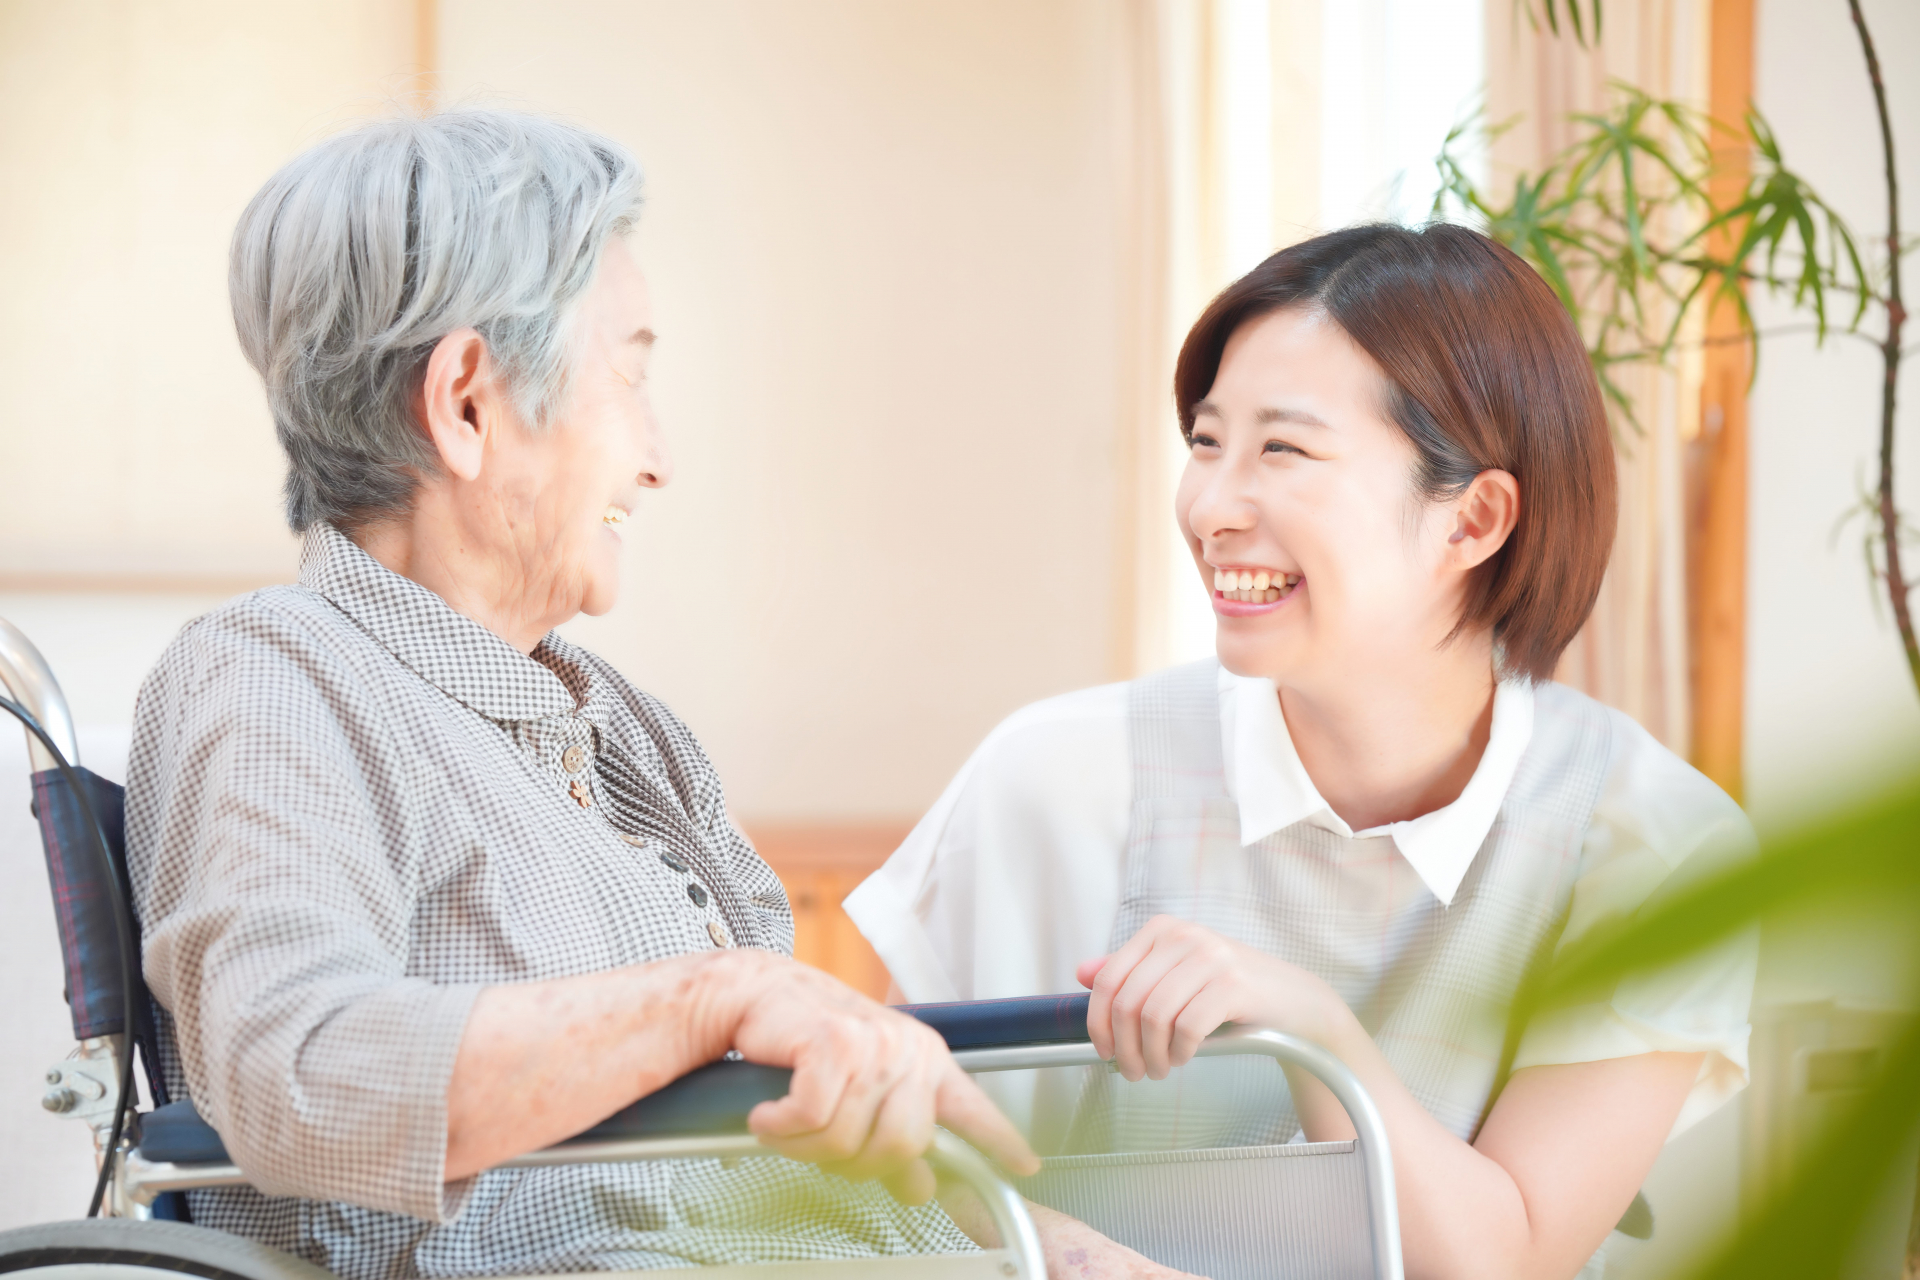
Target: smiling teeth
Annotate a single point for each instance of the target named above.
(1250, 587)
(615, 516)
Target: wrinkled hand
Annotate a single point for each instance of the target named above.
(1175, 983)
(869, 1083)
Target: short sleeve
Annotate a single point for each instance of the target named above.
(1013, 877)
(1659, 826)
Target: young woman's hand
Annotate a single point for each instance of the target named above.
(1174, 983)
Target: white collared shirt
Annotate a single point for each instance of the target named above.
(1014, 876)
(1273, 791)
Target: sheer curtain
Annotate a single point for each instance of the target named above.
(1633, 652)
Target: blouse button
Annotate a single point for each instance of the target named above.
(574, 759)
(635, 841)
(718, 932)
(674, 862)
(698, 895)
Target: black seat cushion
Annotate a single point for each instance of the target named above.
(175, 1134)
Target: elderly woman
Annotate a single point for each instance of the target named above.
(424, 886)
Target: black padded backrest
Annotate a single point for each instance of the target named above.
(83, 911)
(83, 906)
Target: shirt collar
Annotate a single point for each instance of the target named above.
(445, 648)
(1273, 791)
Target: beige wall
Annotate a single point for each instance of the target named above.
(884, 240)
(134, 440)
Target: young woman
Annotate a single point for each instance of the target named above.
(1374, 815)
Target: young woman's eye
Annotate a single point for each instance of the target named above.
(1281, 446)
(1201, 440)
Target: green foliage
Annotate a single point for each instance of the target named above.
(1631, 230)
(1577, 20)
(1868, 853)
(1777, 206)
(1624, 221)
(1829, 871)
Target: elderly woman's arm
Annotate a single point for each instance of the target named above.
(542, 1061)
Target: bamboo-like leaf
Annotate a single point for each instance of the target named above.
(1868, 850)
(1575, 18)
(1809, 1231)
(1866, 853)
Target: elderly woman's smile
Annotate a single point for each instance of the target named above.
(518, 527)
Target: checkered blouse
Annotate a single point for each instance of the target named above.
(349, 809)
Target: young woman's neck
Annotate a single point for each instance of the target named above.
(1402, 742)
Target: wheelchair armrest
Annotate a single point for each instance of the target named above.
(708, 1100)
(992, 1024)
(712, 1099)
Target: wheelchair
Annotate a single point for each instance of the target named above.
(1314, 1209)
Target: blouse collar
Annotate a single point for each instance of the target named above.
(1273, 791)
(445, 648)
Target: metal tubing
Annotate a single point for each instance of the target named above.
(142, 1180)
(1382, 1199)
(29, 680)
(1009, 1212)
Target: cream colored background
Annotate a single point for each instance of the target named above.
(884, 242)
(918, 264)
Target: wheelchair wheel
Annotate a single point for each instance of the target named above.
(123, 1249)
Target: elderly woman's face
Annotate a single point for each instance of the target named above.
(562, 494)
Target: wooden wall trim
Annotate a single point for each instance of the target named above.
(820, 863)
(142, 584)
(1718, 625)
(426, 48)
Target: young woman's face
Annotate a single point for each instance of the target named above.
(1299, 506)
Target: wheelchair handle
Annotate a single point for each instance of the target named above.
(29, 681)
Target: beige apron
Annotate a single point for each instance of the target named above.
(1438, 1010)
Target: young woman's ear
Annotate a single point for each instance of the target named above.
(1483, 518)
(459, 402)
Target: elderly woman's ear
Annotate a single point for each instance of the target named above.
(462, 402)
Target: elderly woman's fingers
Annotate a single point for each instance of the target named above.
(902, 1128)
(813, 1100)
(841, 1071)
(962, 1106)
(845, 1135)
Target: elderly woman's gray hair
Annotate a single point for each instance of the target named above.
(365, 250)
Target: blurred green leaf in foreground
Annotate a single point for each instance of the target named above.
(1863, 859)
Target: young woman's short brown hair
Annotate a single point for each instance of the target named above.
(1484, 371)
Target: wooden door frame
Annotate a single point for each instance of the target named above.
(1717, 533)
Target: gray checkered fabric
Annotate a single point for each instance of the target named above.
(1438, 1007)
(349, 809)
